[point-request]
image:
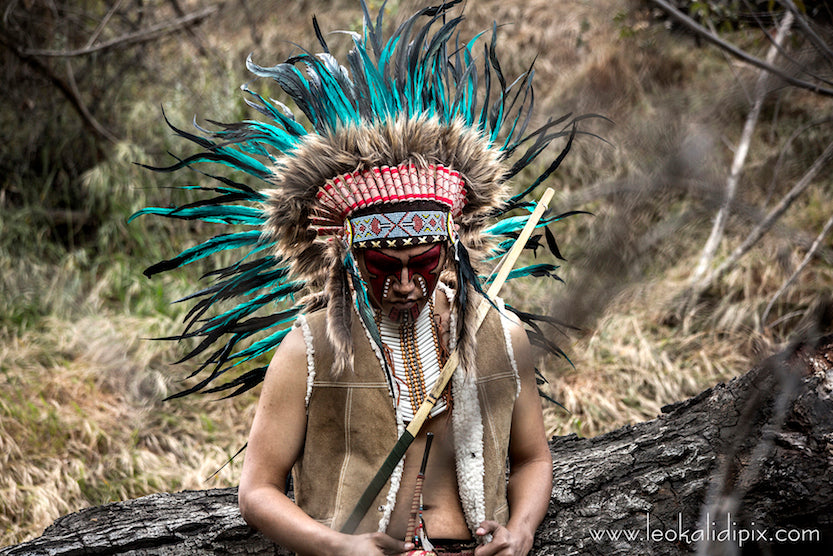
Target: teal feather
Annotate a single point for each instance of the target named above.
(539, 270)
(512, 224)
(287, 125)
(242, 285)
(235, 192)
(247, 308)
(423, 68)
(205, 249)
(218, 215)
(242, 383)
(261, 346)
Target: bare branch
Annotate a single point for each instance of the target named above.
(144, 35)
(802, 22)
(738, 53)
(807, 258)
(742, 150)
(771, 218)
(195, 37)
(785, 152)
(68, 88)
(82, 108)
(817, 41)
(103, 23)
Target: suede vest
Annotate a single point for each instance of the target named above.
(352, 425)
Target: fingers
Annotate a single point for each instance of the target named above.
(500, 540)
(389, 545)
(487, 527)
(494, 548)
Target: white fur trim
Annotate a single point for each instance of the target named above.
(396, 476)
(446, 289)
(505, 321)
(468, 446)
(301, 322)
(467, 426)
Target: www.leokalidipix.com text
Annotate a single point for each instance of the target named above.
(724, 531)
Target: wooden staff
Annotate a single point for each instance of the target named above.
(411, 431)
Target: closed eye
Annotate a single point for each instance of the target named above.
(426, 261)
(379, 264)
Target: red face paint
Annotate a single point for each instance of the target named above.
(402, 280)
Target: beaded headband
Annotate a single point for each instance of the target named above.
(398, 229)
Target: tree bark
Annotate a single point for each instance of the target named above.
(758, 451)
(755, 453)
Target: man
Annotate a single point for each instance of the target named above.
(282, 414)
(374, 238)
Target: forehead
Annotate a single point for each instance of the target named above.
(404, 254)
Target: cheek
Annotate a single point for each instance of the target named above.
(426, 280)
(379, 272)
(380, 285)
(427, 274)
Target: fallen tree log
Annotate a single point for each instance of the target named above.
(745, 467)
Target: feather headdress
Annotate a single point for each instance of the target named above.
(419, 117)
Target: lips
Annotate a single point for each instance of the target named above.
(404, 311)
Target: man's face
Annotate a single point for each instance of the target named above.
(401, 280)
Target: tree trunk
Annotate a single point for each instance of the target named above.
(742, 468)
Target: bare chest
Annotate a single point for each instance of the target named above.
(442, 512)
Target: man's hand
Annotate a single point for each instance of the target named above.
(371, 544)
(504, 542)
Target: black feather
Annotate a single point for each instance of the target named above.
(244, 382)
(553, 246)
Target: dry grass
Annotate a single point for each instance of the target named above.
(81, 421)
(637, 356)
(631, 364)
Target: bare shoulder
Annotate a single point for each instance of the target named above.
(517, 333)
(292, 348)
(287, 372)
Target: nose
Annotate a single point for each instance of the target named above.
(405, 285)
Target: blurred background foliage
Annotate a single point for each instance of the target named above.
(86, 84)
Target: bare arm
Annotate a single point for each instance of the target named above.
(275, 442)
(530, 477)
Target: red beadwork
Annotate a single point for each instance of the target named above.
(363, 188)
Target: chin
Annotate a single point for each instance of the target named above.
(403, 316)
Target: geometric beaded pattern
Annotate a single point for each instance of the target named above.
(399, 229)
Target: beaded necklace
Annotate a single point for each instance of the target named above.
(415, 355)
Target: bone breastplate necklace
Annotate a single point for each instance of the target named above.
(414, 353)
